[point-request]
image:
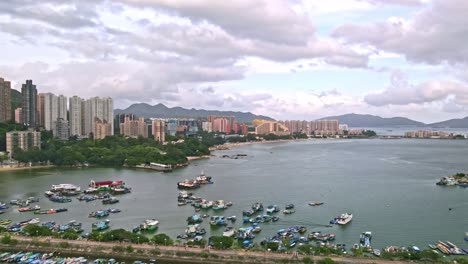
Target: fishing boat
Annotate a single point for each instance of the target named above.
(149, 225)
(257, 207)
(64, 187)
(272, 209)
(365, 239)
(288, 211)
(289, 206)
(5, 222)
(99, 214)
(113, 210)
(188, 184)
(315, 203)
(194, 219)
(29, 209)
(51, 211)
(101, 225)
(218, 221)
(110, 200)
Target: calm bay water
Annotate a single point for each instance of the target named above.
(389, 186)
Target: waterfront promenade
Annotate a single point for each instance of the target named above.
(168, 254)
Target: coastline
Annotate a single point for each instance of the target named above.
(33, 167)
(226, 146)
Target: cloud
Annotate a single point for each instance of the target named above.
(394, 2)
(401, 92)
(435, 35)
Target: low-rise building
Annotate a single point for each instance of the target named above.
(24, 140)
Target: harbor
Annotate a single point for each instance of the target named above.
(155, 196)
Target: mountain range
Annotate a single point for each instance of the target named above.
(357, 120)
(160, 110)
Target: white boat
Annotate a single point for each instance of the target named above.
(343, 219)
(229, 232)
(64, 187)
(34, 221)
(150, 224)
(376, 252)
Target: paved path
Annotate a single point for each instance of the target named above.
(225, 253)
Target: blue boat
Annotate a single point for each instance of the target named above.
(101, 225)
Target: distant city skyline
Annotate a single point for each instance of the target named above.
(296, 60)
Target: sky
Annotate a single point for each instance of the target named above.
(287, 59)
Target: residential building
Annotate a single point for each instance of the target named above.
(272, 127)
(327, 127)
(61, 129)
(40, 109)
(24, 140)
(49, 111)
(134, 128)
(102, 129)
(5, 101)
(207, 126)
(75, 115)
(29, 104)
(159, 130)
(18, 114)
(96, 107)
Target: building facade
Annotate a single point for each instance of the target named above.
(159, 130)
(61, 129)
(5, 101)
(29, 104)
(24, 140)
(96, 108)
(134, 128)
(272, 127)
(102, 129)
(74, 106)
(18, 114)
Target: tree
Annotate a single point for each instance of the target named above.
(221, 242)
(35, 230)
(162, 239)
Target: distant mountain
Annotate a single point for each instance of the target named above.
(160, 110)
(356, 120)
(452, 123)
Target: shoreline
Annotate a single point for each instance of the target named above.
(33, 167)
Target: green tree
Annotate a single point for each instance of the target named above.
(221, 242)
(162, 239)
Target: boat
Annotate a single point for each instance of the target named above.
(194, 219)
(113, 210)
(160, 167)
(64, 187)
(289, 206)
(288, 211)
(365, 239)
(99, 214)
(101, 225)
(431, 246)
(149, 225)
(257, 207)
(272, 209)
(110, 200)
(218, 221)
(188, 184)
(29, 209)
(229, 232)
(203, 179)
(466, 236)
(97, 184)
(343, 219)
(376, 252)
(5, 222)
(51, 211)
(315, 203)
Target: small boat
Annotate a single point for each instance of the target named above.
(288, 211)
(466, 236)
(113, 210)
(343, 219)
(99, 214)
(289, 206)
(101, 225)
(182, 203)
(110, 200)
(229, 232)
(149, 225)
(28, 209)
(5, 222)
(315, 203)
(431, 246)
(376, 252)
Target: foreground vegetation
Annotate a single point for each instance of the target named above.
(227, 249)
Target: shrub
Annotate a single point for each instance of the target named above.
(6, 239)
(204, 255)
(326, 261)
(307, 260)
(129, 249)
(155, 251)
(64, 245)
(118, 249)
(162, 239)
(35, 230)
(221, 242)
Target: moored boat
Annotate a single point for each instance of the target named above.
(149, 225)
(315, 203)
(342, 219)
